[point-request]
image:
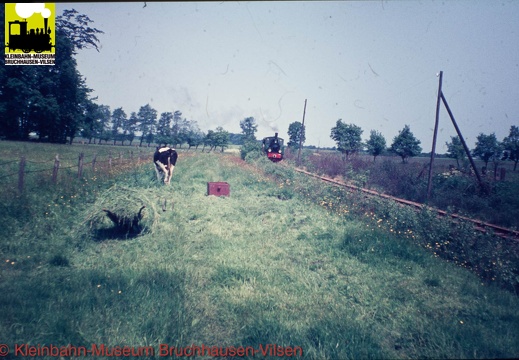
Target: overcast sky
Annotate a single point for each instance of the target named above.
(371, 63)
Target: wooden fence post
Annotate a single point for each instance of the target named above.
(55, 169)
(94, 163)
(80, 166)
(21, 173)
(435, 134)
(110, 161)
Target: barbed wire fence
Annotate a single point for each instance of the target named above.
(62, 168)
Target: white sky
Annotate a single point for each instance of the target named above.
(371, 63)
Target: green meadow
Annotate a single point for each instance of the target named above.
(269, 268)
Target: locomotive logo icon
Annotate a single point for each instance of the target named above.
(29, 28)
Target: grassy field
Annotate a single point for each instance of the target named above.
(267, 265)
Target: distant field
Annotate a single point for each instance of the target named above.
(266, 265)
(442, 163)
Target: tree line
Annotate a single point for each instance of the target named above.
(487, 147)
(349, 141)
(54, 103)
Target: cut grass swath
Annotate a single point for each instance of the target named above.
(121, 212)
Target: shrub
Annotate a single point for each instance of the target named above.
(251, 150)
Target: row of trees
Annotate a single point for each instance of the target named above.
(147, 127)
(116, 126)
(54, 102)
(488, 148)
(349, 141)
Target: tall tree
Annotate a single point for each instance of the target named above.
(195, 138)
(487, 147)
(105, 115)
(75, 27)
(130, 127)
(147, 123)
(511, 145)
(209, 140)
(181, 138)
(249, 127)
(376, 144)
(164, 128)
(405, 144)
(73, 33)
(221, 138)
(347, 137)
(18, 91)
(95, 119)
(176, 123)
(296, 135)
(455, 149)
(118, 120)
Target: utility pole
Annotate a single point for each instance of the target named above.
(467, 151)
(441, 98)
(301, 137)
(435, 134)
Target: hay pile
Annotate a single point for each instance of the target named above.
(121, 212)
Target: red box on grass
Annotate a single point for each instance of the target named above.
(218, 188)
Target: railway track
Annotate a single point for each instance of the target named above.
(479, 224)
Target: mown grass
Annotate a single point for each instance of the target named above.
(267, 265)
(493, 258)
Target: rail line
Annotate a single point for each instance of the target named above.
(479, 224)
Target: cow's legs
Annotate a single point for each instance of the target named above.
(157, 172)
(164, 170)
(169, 174)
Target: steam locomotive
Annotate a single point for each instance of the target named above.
(35, 39)
(273, 147)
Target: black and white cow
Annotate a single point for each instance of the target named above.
(165, 159)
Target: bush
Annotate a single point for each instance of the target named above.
(251, 149)
(402, 180)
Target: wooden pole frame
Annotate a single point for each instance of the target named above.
(441, 98)
(301, 136)
(435, 135)
(80, 166)
(467, 151)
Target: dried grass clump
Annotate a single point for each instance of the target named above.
(122, 212)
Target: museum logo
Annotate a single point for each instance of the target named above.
(30, 30)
